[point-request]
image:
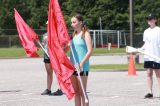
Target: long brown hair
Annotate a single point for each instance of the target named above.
(84, 26)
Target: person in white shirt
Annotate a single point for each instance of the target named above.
(151, 38)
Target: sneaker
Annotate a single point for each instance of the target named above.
(58, 92)
(149, 95)
(46, 92)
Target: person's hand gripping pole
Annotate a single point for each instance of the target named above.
(78, 72)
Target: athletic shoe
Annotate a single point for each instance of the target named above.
(46, 92)
(149, 95)
(58, 92)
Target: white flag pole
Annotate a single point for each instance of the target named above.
(78, 72)
(130, 49)
(42, 48)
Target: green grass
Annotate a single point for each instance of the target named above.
(105, 51)
(14, 53)
(107, 67)
(19, 52)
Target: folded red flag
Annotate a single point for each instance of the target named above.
(27, 36)
(57, 38)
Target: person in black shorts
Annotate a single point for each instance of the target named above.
(81, 45)
(151, 38)
(49, 70)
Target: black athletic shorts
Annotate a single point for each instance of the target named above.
(83, 73)
(46, 60)
(151, 64)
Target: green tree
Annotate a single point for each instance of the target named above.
(114, 13)
(142, 10)
(7, 12)
(39, 13)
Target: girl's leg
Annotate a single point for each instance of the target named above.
(150, 79)
(76, 89)
(158, 77)
(49, 75)
(84, 81)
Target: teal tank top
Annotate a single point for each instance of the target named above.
(79, 50)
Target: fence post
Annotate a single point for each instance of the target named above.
(94, 39)
(9, 41)
(125, 39)
(118, 34)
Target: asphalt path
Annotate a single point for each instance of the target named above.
(23, 80)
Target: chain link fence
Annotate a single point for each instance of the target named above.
(101, 38)
(9, 37)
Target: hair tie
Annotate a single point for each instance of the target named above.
(84, 23)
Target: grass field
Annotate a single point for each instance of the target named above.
(105, 51)
(14, 53)
(19, 52)
(108, 67)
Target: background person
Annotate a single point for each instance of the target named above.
(151, 38)
(49, 69)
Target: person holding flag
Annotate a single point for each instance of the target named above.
(27, 37)
(151, 38)
(81, 45)
(49, 69)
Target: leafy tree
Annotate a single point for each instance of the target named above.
(142, 9)
(114, 13)
(7, 12)
(39, 12)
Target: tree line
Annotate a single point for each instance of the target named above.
(114, 13)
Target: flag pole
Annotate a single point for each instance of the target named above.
(42, 48)
(78, 72)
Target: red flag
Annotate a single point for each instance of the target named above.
(57, 38)
(27, 36)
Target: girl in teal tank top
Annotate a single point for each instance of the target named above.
(79, 49)
(81, 45)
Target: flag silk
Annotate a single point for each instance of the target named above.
(57, 38)
(27, 36)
